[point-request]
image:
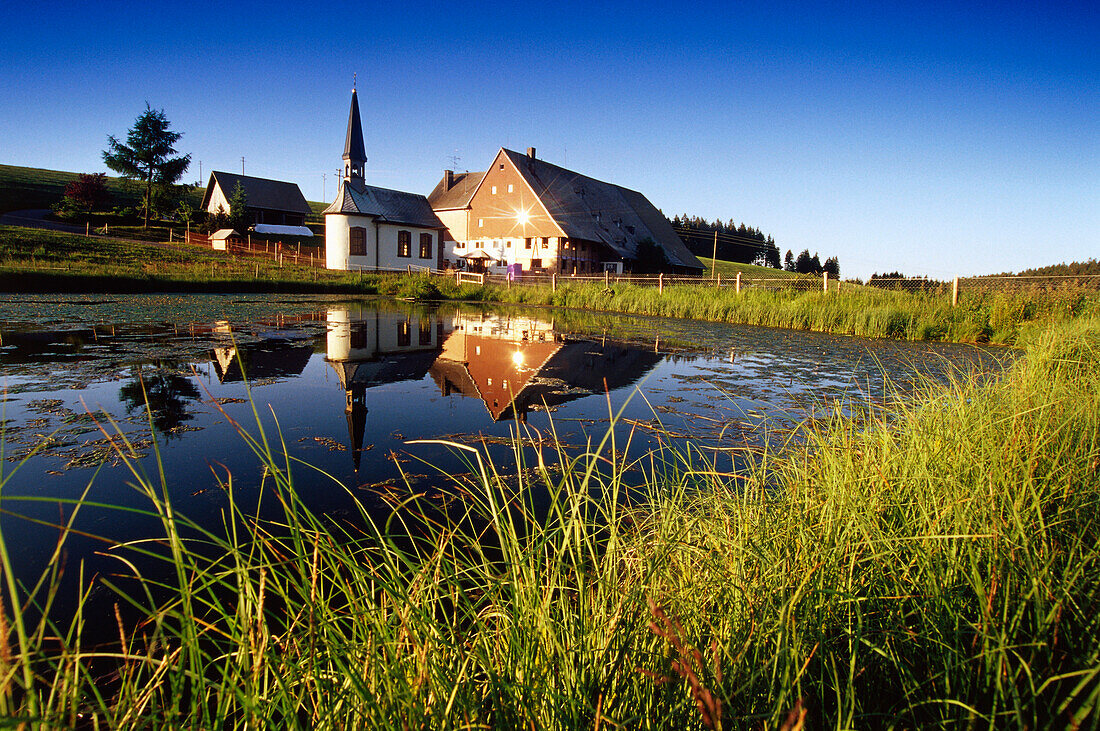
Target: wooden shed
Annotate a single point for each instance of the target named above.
(223, 238)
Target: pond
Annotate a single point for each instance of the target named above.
(347, 385)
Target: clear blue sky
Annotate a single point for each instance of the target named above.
(939, 139)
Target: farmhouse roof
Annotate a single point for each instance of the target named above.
(392, 206)
(458, 195)
(590, 209)
(273, 195)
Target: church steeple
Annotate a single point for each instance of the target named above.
(355, 154)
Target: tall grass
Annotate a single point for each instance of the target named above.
(939, 571)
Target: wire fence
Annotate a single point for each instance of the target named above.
(956, 290)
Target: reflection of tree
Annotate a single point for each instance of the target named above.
(167, 391)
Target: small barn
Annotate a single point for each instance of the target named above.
(271, 204)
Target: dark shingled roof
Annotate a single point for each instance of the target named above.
(353, 142)
(392, 206)
(460, 193)
(273, 195)
(590, 209)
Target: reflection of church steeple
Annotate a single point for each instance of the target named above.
(356, 411)
(370, 347)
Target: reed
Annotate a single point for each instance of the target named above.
(940, 569)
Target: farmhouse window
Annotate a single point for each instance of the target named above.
(357, 241)
(425, 246)
(536, 263)
(494, 190)
(509, 187)
(545, 241)
(527, 243)
(480, 222)
(404, 244)
(404, 336)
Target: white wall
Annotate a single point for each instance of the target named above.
(217, 200)
(337, 244)
(387, 247)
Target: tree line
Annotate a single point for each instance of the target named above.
(736, 242)
(746, 245)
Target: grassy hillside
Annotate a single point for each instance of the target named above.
(37, 188)
(731, 268)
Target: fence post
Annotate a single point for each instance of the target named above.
(605, 285)
(719, 285)
(825, 282)
(87, 228)
(955, 292)
(661, 283)
(738, 282)
(838, 286)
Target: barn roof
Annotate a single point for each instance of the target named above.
(273, 195)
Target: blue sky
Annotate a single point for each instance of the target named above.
(940, 139)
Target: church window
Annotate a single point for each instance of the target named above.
(404, 244)
(425, 246)
(357, 241)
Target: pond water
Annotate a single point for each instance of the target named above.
(348, 384)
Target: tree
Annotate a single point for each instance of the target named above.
(238, 216)
(802, 262)
(788, 261)
(87, 192)
(650, 258)
(832, 266)
(147, 155)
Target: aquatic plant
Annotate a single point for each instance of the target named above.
(938, 570)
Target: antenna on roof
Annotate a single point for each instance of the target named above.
(454, 160)
(354, 80)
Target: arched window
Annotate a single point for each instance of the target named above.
(425, 246)
(404, 244)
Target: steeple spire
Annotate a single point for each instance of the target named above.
(355, 154)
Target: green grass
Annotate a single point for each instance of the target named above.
(941, 570)
(34, 260)
(732, 268)
(22, 188)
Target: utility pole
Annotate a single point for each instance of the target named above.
(242, 164)
(323, 196)
(714, 254)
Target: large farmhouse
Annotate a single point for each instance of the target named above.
(368, 227)
(526, 211)
(271, 206)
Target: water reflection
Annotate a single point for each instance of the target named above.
(371, 347)
(166, 390)
(517, 364)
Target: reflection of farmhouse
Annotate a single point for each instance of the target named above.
(272, 206)
(516, 364)
(526, 211)
(368, 227)
(272, 358)
(369, 348)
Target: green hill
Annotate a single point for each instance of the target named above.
(731, 268)
(37, 188)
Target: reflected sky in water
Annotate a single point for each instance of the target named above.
(346, 385)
